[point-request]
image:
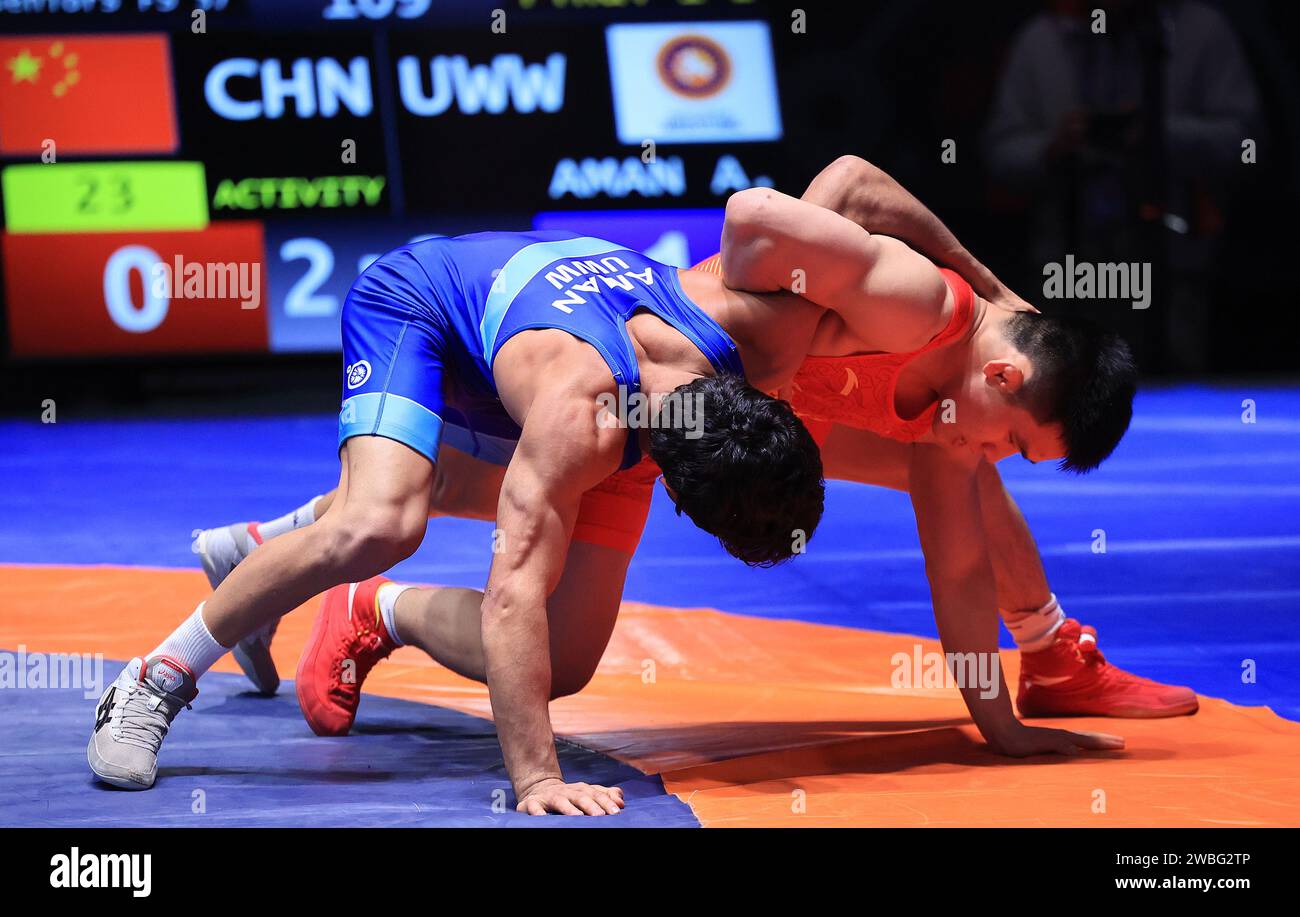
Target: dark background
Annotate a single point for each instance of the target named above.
(888, 81)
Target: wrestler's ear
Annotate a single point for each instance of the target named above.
(1004, 375)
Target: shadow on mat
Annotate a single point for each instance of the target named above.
(756, 752)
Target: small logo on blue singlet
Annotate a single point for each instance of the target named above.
(358, 373)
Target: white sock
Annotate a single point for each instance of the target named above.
(387, 599)
(192, 645)
(302, 516)
(1035, 630)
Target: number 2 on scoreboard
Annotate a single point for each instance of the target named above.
(302, 300)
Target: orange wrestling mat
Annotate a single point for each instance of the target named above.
(754, 722)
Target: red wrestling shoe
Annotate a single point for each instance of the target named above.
(1072, 678)
(346, 641)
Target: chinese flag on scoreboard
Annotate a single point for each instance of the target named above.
(90, 94)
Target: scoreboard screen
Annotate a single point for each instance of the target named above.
(209, 176)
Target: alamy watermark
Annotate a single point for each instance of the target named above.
(638, 410)
(24, 670)
(75, 869)
(933, 671)
(241, 280)
(1098, 280)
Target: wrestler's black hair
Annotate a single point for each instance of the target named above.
(753, 474)
(1084, 379)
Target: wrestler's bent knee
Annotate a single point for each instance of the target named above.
(359, 546)
(564, 684)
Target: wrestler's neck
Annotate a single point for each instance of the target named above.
(772, 331)
(661, 376)
(665, 357)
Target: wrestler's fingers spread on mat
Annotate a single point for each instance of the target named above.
(1073, 743)
(1100, 741)
(531, 807)
(1025, 741)
(609, 797)
(571, 799)
(558, 806)
(599, 801)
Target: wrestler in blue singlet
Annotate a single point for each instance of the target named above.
(423, 323)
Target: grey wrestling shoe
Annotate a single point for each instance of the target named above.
(132, 718)
(220, 550)
(253, 654)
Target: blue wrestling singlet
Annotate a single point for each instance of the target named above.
(423, 323)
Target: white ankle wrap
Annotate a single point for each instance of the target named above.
(1035, 630)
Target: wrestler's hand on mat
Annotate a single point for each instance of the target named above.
(1021, 741)
(554, 795)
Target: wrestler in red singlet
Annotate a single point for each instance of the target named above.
(1071, 676)
(858, 390)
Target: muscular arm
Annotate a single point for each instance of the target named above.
(945, 497)
(883, 291)
(866, 195)
(561, 454)
(946, 500)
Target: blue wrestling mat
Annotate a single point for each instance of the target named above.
(407, 765)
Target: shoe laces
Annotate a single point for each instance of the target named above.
(144, 716)
(1087, 645)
